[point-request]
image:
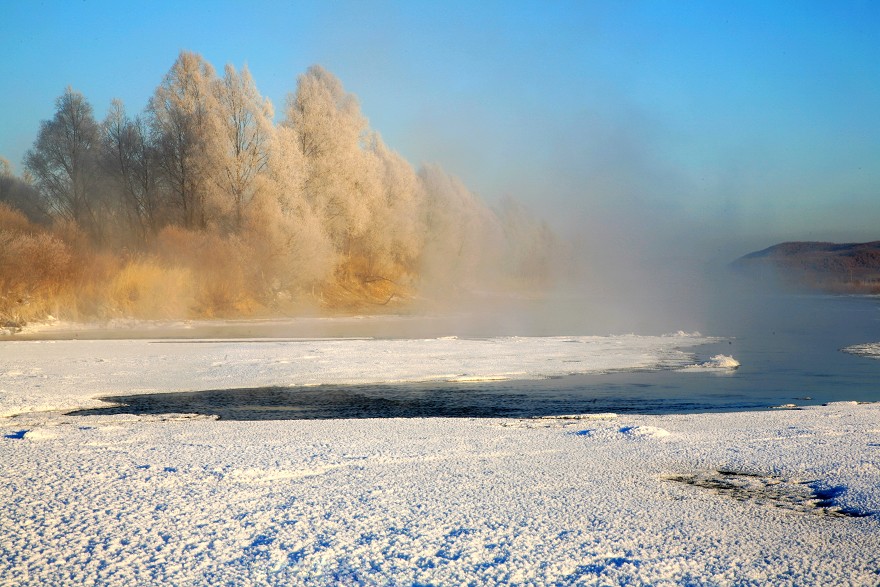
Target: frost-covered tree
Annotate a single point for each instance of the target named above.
(397, 230)
(185, 124)
(63, 162)
(260, 214)
(246, 119)
(530, 245)
(299, 237)
(341, 178)
(129, 160)
(463, 240)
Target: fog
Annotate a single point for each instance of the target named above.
(203, 207)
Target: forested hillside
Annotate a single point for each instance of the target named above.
(833, 267)
(203, 205)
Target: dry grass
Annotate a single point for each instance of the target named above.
(186, 274)
(35, 270)
(145, 289)
(226, 278)
(361, 285)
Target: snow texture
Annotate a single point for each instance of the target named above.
(605, 499)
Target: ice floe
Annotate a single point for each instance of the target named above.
(68, 374)
(870, 350)
(717, 363)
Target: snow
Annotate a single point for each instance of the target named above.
(784, 497)
(67, 374)
(716, 363)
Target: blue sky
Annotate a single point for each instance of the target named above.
(722, 124)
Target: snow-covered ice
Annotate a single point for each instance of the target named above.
(760, 498)
(716, 363)
(67, 374)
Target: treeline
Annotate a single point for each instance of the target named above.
(203, 206)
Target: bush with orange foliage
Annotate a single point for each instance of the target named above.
(35, 270)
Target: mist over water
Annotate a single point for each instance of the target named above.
(789, 347)
(314, 216)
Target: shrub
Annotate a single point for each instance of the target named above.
(35, 269)
(146, 289)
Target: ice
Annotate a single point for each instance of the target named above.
(870, 350)
(778, 497)
(722, 363)
(70, 374)
(446, 501)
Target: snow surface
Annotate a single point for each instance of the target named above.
(784, 497)
(67, 374)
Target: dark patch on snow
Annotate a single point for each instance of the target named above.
(809, 497)
(587, 394)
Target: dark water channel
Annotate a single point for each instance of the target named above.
(789, 347)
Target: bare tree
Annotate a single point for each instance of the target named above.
(130, 161)
(63, 162)
(21, 195)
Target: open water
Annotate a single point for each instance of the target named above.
(789, 347)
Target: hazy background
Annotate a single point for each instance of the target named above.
(659, 135)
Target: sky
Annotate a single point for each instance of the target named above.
(718, 127)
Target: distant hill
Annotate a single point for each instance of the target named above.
(842, 268)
